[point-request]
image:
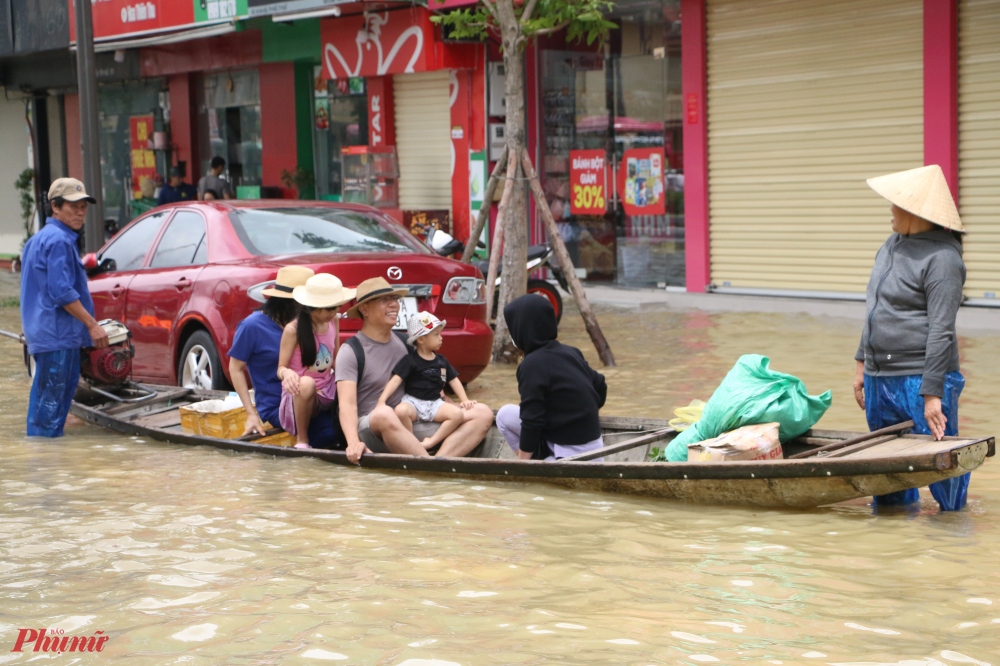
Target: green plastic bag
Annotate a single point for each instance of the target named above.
(752, 393)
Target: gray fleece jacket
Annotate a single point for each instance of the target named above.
(913, 298)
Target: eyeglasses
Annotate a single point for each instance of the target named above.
(386, 300)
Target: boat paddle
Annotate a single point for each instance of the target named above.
(13, 336)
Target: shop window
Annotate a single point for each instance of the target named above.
(131, 113)
(625, 99)
(339, 120)
(230, 128)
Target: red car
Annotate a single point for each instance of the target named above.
(183, 276)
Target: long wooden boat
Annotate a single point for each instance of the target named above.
(821, 467)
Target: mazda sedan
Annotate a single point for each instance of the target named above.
(183, 276)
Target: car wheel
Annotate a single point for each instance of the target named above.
(199, 366)
(549, 291)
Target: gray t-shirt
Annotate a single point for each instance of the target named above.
(219, 185)
(380, 359)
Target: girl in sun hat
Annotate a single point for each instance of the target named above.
(907, 362)
(308, 347)
(255, 349)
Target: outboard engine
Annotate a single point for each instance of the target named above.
(112, 365)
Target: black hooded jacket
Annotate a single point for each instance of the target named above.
(560, 393)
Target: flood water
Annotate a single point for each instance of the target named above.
(194, 556)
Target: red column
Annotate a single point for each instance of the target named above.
(74, 148)
(694, 80)
(277, 123)
(461, 130)
(183, 123)
(941, 88)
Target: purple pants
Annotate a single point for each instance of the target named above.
(509, 424)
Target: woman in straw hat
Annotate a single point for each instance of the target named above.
(308, 349)
(255, 348)
(907, 362)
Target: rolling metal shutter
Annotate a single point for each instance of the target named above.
(979, 143)
(423, 140)
(805, 101)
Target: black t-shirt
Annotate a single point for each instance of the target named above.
(424, 379)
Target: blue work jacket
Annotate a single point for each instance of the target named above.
(53, 276)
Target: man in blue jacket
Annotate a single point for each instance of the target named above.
(57, 313)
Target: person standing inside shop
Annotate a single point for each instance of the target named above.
(57, 312)
(907, 362)
(176, 189)
(214, 181)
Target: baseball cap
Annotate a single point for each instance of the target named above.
(69, 189)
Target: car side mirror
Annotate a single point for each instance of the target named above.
(90, 263)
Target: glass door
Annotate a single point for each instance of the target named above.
(625, 102)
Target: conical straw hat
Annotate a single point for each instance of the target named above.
(923, 192)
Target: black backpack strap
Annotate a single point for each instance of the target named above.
(359, 354)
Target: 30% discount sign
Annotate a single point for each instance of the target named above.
(587, 182)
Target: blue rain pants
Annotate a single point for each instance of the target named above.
(892, 400)
(56, 376)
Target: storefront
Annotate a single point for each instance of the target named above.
(391, 116)
(229, 126)
(133, 136)
(611, 144)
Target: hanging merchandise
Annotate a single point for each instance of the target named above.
(640, 181)
(750, 394)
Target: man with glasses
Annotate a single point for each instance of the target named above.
(367, 426)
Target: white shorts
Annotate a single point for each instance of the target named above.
(426, 409)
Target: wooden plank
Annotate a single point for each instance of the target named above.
(621, 446)
(913, 445)
(138, 408)
(164, 419)
(860, 446)
(860, 438)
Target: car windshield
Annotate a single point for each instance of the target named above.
(266, 231)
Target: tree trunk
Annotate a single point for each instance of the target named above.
(502, 214)
(514, 281)
(579, 295)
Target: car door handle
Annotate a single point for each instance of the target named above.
(183, 283)
(117, 291)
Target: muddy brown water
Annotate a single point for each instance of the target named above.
(195, 556)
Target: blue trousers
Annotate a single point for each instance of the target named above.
(892, 400)
(56, 377)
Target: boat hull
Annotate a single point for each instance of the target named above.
(799, 484)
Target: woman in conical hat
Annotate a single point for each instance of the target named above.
(907, 362)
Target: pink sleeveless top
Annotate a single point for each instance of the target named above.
(322, 370)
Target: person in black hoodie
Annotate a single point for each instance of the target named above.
(560, 393)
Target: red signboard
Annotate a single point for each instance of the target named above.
(140, 131)
(381, 118)
(113, 18)
(587, 182)
(378, 43)
(640, 182)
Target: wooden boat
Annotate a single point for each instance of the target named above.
(821, 467)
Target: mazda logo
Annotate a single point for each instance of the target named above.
(395, 273)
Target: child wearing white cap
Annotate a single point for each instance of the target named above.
(423, 374)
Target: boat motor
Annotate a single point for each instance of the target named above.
(112, 365)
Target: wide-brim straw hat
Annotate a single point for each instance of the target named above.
(323, 291)
(289, 277)
(924, 192)
(372, 289)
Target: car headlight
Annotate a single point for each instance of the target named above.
(465, 290)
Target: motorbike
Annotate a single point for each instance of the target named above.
(539, 256)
